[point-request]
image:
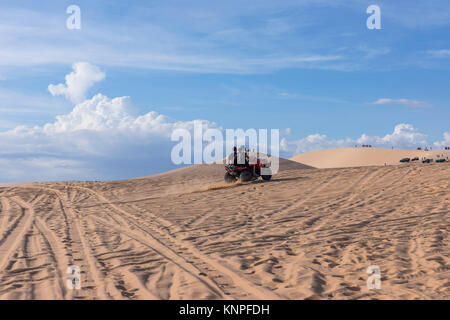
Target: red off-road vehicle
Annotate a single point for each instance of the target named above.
(244, 172)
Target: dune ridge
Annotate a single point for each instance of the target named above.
(358, 157)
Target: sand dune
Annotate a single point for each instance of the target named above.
(307, 234)
(357, 157)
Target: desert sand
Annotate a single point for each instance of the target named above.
(307, 234)
(356, 157)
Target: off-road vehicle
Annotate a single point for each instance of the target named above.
(244, 172)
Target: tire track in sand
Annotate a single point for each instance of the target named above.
(15, 236)
(273, 216)
(163, 251)
(57, 253)
(94, 273)
(71, 217)
(244, 284)
(5, 212)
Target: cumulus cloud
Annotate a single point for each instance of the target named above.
(288, 131)
(406, 102)
(83, 77)
(444, 143)
(99, 139)
(404, 136)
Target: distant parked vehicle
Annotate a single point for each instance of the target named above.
(427, 160)
(440, 160)
(405, 160)
(415, 159)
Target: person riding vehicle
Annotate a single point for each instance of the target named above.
(232, 158)
(246, 166)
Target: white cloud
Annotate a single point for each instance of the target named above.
(83, 77)
(444, 143)
(99, 139)
(172, 41)
(95, 127)
(374, 52)
(444, 53)
(406, 102)
(205, 36)
(404, 136)
(313, 142)
(287, 95)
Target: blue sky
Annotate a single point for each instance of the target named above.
(311, 66)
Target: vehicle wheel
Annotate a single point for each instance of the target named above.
(267, 178)
(229, 178)
(245, 176)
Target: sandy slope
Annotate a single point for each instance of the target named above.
(356, 157)
(309, 233)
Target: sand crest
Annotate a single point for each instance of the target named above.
(357, 157)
